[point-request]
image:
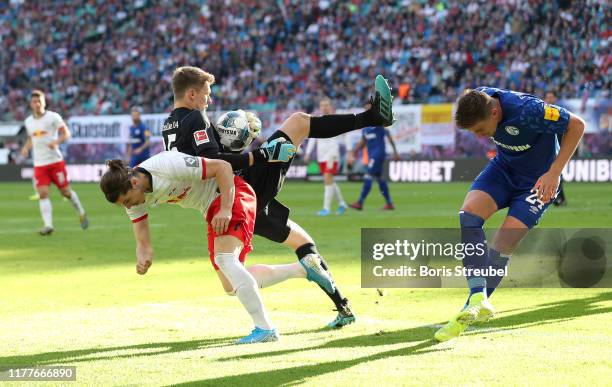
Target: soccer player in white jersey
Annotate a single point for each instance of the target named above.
(328, 157)
(209, 186)
(46, 131)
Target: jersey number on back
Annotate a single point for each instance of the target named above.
(169, 139)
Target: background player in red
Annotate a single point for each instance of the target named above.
(46, 131)
(328, 157)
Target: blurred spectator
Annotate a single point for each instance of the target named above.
(103, 56)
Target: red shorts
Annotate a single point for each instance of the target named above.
(243, 219)
(328, 167)
(56, 173)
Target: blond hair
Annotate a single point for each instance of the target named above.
(189, 77)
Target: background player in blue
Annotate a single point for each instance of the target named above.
(138, 147)
(523, 176)
(373, 138)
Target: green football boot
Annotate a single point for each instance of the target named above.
(478, 309)
(383, 101)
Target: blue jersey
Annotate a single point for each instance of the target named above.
(375, 141)
(526, 136)
(138, 136)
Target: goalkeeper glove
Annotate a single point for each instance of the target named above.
(277, 150)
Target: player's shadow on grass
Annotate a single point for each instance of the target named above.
(380, 338)
(148, 349)
(294, 375)
(552, 312)
(108, 353)
(539, 315)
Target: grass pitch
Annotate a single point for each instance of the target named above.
(74, 299)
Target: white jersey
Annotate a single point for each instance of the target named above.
(42, 131)
(176, 178)
(328, 149)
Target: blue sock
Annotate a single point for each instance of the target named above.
(496, 261)
(384, 189)
(473, 233)
(365, 190)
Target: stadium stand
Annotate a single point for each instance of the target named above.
(102, 56)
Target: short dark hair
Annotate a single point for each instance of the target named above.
(473, 106)
(37, 93)
(116, 180)
(187, 77)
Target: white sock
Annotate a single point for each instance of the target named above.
(268, 275)
(245, 287)
(338, 194)
(76, 203)
(327, 197)
(46, 211)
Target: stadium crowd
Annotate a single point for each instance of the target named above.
(103, 56)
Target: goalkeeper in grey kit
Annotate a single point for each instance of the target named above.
(188, 130)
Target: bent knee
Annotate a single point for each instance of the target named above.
(469, 208)
(470, 220)
(43, 193)
(296, 127)
(476, 209)
(228, 288)
(299, 117)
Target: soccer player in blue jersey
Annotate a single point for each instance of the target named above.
(373, 139)
(523, 177)
(138, 147)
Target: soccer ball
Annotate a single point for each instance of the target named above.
(237, 130)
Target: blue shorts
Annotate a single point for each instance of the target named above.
(375, 166)
(512, 190)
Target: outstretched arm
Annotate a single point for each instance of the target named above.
(274, 151)
(144, 250)
(238, 161)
